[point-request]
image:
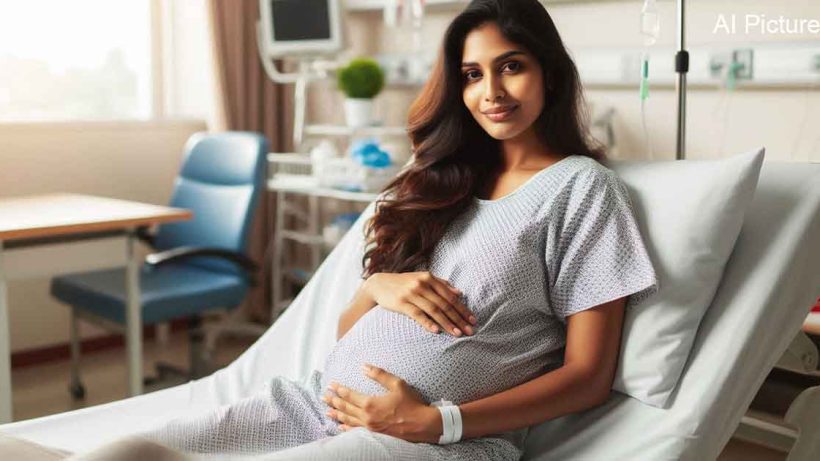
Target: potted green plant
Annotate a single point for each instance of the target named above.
(361, 80)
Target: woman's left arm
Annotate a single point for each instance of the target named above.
(582, 382)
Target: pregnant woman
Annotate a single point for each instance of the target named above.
(498, 268)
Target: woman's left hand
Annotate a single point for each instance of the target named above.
(401, 412)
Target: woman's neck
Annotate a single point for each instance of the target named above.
(525, 151)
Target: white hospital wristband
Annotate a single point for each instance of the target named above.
(450, 422)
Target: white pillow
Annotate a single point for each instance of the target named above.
(689, 213)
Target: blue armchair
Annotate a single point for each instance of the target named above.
(200, 265)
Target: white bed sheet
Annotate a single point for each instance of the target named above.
(765, 294)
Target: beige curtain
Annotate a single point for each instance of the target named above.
(250, 101)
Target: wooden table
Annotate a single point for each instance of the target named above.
(55, 226)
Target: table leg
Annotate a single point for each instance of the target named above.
(133, 317)
(5, 348)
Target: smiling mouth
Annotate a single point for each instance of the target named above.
(501, 116)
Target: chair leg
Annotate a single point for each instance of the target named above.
(234, 322)
(76, 386)
(196, 341)
(198, 365)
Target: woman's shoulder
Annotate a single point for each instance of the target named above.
(590, 175)
(589, 184)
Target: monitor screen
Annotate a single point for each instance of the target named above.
(296, 20)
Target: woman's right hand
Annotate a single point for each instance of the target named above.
(423, 297)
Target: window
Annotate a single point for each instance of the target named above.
(75, 60)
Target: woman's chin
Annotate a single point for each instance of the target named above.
(503, 133)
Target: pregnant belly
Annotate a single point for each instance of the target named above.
(438, 366)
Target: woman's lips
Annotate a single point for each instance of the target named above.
(501, 116)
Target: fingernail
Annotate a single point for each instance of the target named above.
(435, 329)
(468, 330)
(473, 319)
(457, 331)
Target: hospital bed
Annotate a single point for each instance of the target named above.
(768, 286)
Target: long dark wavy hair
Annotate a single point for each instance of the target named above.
(453, 155)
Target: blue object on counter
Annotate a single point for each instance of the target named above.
(346, 220)
(368, 153)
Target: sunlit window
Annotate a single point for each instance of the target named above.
(75, 60)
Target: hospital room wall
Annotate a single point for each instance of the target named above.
(125, 160)
(783, 120)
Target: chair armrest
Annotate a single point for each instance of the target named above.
(183, 253)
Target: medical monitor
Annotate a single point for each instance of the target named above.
(300, 27)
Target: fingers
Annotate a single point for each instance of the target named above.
(454, 323)
(433, 301)
(342, 406)
(350, 395)
(420, 317)
(345, 418)
(443, 297)
(388, 380)
(452, 307)
(435, 312)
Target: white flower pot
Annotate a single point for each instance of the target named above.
(358, 112)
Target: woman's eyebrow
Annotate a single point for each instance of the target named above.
(498, 58)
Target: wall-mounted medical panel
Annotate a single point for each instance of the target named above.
(789, 64)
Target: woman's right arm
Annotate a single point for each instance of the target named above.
(362, 302)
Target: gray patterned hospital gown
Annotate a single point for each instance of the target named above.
(564, 241)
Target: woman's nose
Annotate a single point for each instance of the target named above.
(493, 90)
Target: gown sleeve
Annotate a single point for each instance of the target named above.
(595, 252)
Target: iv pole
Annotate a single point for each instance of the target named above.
(681, 67)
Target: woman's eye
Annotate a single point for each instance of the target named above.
(515, 65)
(471, 75)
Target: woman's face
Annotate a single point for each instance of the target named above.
(498, 75)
